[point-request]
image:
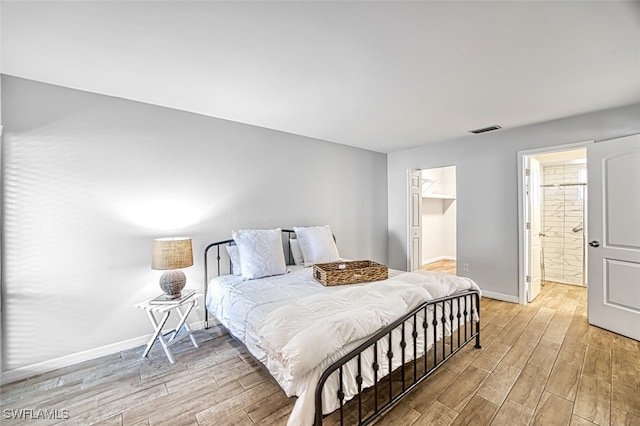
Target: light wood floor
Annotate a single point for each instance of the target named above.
(444, 265)
(540, 364)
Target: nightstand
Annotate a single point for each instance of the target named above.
(162, 309)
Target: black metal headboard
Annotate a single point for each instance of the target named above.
(225, 267)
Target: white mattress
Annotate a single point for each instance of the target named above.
(240, 305)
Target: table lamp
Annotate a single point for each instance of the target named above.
(171, 254)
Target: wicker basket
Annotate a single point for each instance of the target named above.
(340, 273)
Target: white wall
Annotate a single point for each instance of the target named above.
(486, 167)
(90, 180)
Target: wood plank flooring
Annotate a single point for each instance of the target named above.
(444, 265)
(540, 364)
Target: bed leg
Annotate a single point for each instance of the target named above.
(477, 300)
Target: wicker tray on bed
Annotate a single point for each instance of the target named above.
(340, 273)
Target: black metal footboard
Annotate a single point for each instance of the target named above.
(423, 340)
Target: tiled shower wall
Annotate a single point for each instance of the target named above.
(562, 222)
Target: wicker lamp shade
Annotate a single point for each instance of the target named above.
(170, 254)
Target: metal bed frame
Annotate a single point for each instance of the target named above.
(467, 319)
(461, 310)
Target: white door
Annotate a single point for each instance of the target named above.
(534, 230)
(613, 169)
(414, 259)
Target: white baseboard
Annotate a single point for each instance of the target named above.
(500, 296)
(67, 360)
(435, 259)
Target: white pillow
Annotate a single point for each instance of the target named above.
(317, 244)
(234, 255)
(261, 253)
(298, 259)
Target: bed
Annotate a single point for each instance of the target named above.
(352, 350)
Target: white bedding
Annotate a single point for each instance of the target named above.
(270, 314)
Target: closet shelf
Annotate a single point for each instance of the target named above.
(440, 196)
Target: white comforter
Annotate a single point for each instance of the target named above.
(297, 327)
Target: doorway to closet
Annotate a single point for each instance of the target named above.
(439, 219)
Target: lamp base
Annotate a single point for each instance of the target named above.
(172, 283)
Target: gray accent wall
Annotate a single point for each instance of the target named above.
(91, 180)
(487, 189)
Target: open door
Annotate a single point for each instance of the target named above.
(414, 259)
(534, 230)
(613, 169)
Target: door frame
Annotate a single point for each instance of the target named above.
(532, 203)
(410, 228)
(523, 246)
(409, 208)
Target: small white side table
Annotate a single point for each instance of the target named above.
(183, 308)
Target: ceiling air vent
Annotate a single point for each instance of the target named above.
(486, 129)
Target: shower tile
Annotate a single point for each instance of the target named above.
(552, 241)
(573, 277)
(571, 177)
(573, 267)
(572, 261)
(576, 254)
(553, 255)
(574, 249)
(553, 217)
(554, 224)
(552, 172)
(557, 231)
(573, 270)
(553, 269)
(573, 280)
(562, 211)
(553, 252)
(553, 277)
(551, 209)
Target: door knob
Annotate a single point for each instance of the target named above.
(594, 243)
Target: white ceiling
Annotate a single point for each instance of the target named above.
(378, 75)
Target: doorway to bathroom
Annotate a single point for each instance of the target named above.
(555, 206)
